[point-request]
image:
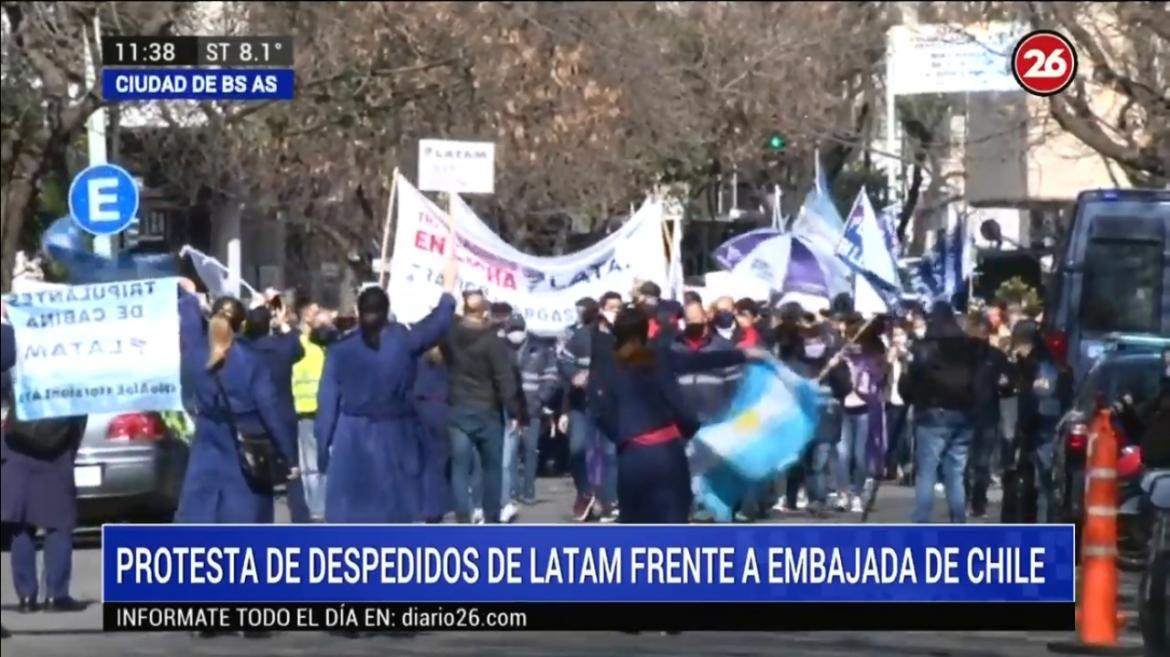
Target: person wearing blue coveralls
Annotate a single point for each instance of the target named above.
(233, 391)
(640, 407)
(7, 360)
(38, 491)
(280, 349)
(368, 429)
(430, 402)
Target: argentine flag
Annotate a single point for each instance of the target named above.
(771, 419)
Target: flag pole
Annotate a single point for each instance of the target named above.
(384, 275)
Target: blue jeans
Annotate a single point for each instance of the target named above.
(508, 464)
(822, 450)
(312, 479)
(851, 452)
(1042, 457)
(583, 436)
(521, 483)
(943, 437)
(476, 433)
(58, 548)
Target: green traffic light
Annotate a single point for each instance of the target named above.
(776, 142)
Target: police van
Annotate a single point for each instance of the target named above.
(1112, 274)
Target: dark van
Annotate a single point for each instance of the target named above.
(1112, 274)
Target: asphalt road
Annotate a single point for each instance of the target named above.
(80, 635)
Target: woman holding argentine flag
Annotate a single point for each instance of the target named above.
(640, 407)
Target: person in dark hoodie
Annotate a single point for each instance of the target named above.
(1045, 392)
(483, 388)
(995, 382)
(280, 348)
(642, 409)
(941, 384)
(573, 363)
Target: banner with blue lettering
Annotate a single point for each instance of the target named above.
(588, 564)
(102, 348)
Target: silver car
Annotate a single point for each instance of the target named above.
(129, 467)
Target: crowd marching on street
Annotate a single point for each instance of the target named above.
(381, 422)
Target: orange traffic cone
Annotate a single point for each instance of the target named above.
(1098, 624)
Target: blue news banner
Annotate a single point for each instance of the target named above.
(588, 577)
(131, 84)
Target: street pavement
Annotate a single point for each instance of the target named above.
(80, 635)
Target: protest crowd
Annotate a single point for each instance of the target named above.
(360, 418)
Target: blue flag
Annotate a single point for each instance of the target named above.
(772, 417)
(942, 272)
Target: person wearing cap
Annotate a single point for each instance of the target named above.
(1045, 392)
(573, 358)
(537, 366)
(648, 296)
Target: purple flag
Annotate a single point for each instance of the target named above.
(805, 274)
(733, 251)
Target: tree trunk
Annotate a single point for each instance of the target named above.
(19, 205)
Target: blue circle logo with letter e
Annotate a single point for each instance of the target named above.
(103, 199)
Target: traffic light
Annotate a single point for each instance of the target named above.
(776, 142)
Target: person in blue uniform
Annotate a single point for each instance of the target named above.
(368, 429)
(279, 349)
(38, 492)
(232, 387)
(640, 407)
(430, 402)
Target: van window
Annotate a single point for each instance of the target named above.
(1122, 286)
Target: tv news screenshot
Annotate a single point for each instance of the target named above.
(557, 328)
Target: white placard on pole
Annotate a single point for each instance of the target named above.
(463, 167)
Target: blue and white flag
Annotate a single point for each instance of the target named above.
(888, 220)
(772, 417)
(942, 272)
(865, 248)
(819, 222)
(104, 348)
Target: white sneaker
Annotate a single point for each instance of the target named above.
(781, 505)
(509, 513)
(839, 501)
(939, 488)
(855, 505)
(802, 500)
(477, 517)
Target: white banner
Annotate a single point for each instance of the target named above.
(463, 167)
(544, 290)
(103, 348)
(942, 59)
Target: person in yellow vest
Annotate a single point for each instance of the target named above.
(317, 332)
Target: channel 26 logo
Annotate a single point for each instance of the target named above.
(1044, 63)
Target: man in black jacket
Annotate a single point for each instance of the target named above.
(573, 358)
(994, 380)
(482, 387)
(941, 385)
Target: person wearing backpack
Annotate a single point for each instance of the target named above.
(38, 492)
(941, 385)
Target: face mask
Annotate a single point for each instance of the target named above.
(516, 337)
(814, 349)
(724, 320)
(610, 316)
(920, 332)
(322, 335)
(695, 331)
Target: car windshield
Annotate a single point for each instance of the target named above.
(1122, 286)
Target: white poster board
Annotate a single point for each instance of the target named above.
(462, 167)
(942, 59)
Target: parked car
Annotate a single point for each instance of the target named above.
(1132, 365)
(129, 467)
(1112, 274)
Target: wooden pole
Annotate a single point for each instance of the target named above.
(841, 352)
(384, 275)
